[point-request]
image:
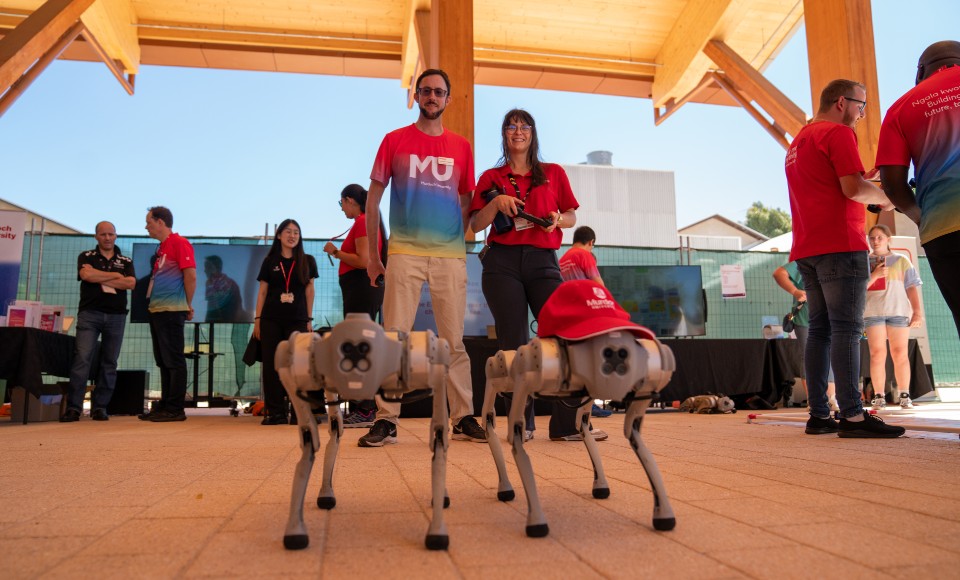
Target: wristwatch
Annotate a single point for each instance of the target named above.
(559, 220)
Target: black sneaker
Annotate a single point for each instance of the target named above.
(70, 415)
(382, 433)
(872, 427)
(99, 415)
(818, 426)
(166, 417)
(469, 430)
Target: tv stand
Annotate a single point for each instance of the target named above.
(209, 400)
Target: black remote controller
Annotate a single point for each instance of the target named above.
(545, 222)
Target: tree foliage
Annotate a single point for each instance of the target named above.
(769, 221)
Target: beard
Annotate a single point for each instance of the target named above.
(431, 116)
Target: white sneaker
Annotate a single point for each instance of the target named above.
(878, 402)
(834, 406)
(527, 435)
(905, 402)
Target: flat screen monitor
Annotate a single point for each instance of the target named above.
(226, 282)
(478, 315)
(669, 300)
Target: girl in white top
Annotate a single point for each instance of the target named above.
(892, 309)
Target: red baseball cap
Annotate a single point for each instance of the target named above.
(582, 309)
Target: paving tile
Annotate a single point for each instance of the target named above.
(175, 535)
(794, 562)
(30, 557)
(859, 540)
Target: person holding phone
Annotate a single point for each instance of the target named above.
(893, 308)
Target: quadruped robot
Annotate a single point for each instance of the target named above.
(616, 365)
(356, 360)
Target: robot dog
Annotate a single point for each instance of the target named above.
(356, 360)
(593, 352)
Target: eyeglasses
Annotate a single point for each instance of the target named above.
(425, 92)
(514, 128)
(862, 103)
(341, 202)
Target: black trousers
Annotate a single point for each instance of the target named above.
(943, 255)
(515, 278)
(166, 333)
(360, 296)
(273, 331)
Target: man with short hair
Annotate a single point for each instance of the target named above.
(579, 263)
(105, 275)
(923, 126)
(431, 177)
(827, 193)
(170, 293)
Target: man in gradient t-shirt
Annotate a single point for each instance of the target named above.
(170, 293)
(431, 177)
(923, 126)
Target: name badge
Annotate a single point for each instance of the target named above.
(520, 224)
(286, 297)
(445, 160)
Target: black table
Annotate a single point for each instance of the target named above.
(26, 354)
(732, 367)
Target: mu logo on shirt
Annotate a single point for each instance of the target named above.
(419, 166)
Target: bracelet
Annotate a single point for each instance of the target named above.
(310, 318)
(256, 318)
(559, 220)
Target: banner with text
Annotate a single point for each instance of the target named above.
(11, 253)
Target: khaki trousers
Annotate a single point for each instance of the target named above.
(447, 279)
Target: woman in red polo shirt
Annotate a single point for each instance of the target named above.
(520, 267)
(358, 295)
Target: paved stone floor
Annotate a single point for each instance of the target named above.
(208, 498)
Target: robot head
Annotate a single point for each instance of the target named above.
(356, 357)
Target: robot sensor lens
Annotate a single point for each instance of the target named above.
(608, 352)
(621, 369)
(623, 353)
(363, 348)
(607, 368)
(346, 348)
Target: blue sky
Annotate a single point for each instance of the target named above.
(231, 151)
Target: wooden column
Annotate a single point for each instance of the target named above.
(454, 49)
(840, 46)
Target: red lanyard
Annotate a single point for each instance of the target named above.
(286, 276)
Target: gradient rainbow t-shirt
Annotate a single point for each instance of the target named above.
(167, 293)
(924, 126)
(427, 175)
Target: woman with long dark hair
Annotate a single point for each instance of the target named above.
(284, 304)
(520, 267)
(358, 294)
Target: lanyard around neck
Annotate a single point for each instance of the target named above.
(287, 275)
(516, 187)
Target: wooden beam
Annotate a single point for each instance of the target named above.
(753, 84)
(258, 37)
(682, 64)
(771, 128)
(410, 53)
(673, 105)
(21, 84)
(35, 36)
(115, 66)
(113, 23)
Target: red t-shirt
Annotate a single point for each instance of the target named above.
(578, 264)
(824, 220)
(554, 195)
(349, 245)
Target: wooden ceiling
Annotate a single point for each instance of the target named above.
(649, 49)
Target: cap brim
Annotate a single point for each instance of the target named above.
(597, 326)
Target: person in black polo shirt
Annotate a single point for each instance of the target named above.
(105, 276)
